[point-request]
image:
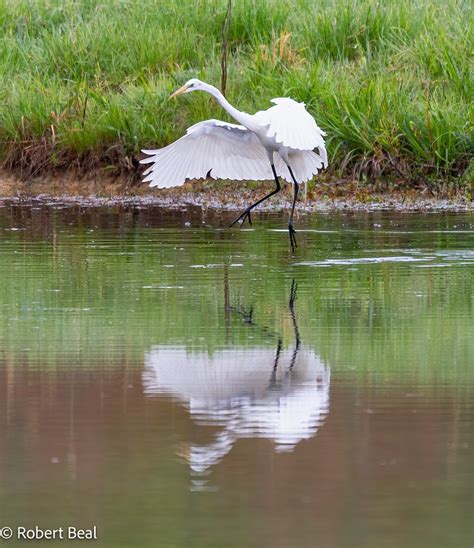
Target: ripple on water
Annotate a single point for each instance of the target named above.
(140, 361)
(364, 260)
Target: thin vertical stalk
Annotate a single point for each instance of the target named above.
(225, 41)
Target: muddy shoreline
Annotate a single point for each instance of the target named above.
(319, 197)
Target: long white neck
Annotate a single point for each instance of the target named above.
(241, 117)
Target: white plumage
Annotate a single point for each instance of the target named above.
(283, 141)
(241, 394)
(223, 151)
(290, 124)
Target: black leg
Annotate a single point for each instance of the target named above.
(273, 376)
(291, 230)
(291, 306)
(246, 213)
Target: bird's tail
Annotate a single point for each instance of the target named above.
(303, 163)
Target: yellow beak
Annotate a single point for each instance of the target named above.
(178, 92)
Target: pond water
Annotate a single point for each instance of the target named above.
(177, 383)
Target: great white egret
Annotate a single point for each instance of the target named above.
(273, 143)
(259, 391)
(241, 393)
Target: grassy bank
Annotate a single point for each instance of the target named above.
(85, 84)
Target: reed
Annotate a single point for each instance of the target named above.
(85, 84)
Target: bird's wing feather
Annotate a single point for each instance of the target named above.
(303, 163)
(225, 151)
(290, 124)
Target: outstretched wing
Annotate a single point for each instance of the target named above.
(291, 125)
(215, 148)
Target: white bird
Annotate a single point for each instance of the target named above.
(254, 392)
(279, 142)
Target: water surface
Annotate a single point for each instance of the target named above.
(177, 383)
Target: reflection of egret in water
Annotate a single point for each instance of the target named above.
(282, 395)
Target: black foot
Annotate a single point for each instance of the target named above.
(241, 218)
(292, 233)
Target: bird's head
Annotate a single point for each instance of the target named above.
(191, 85)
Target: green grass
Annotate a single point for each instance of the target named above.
(85, 84)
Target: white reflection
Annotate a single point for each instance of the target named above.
(253, 392)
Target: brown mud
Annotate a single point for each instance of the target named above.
(323, 195)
